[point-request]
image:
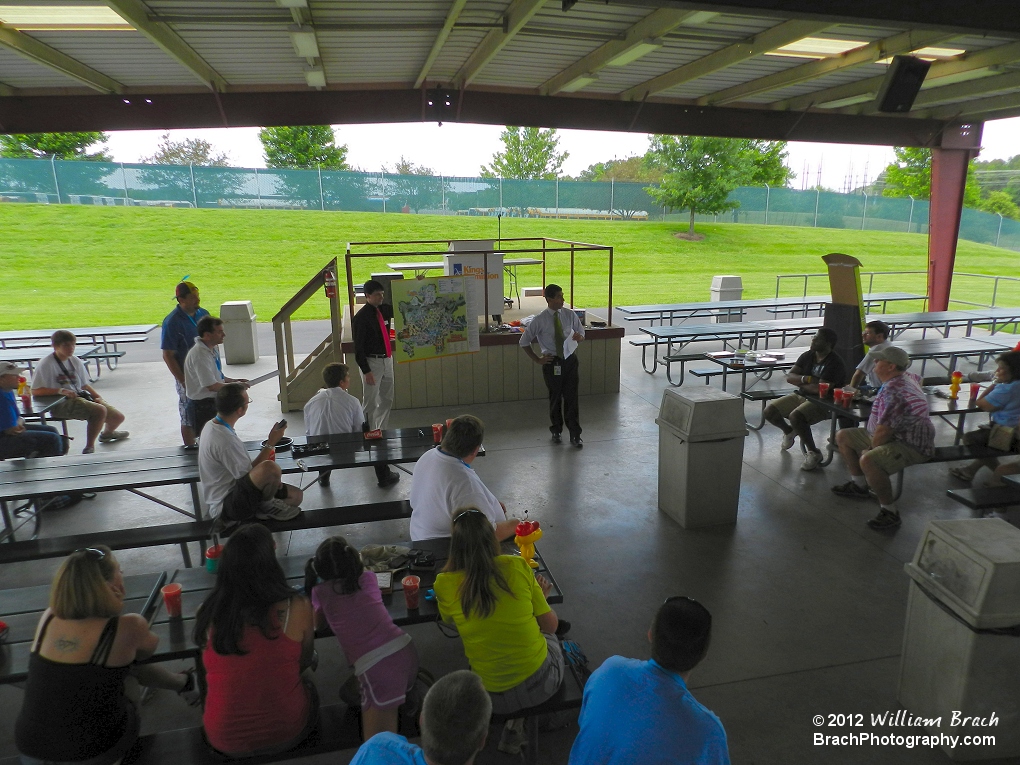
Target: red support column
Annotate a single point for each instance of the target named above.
(960, 144)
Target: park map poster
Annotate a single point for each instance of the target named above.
(431, 318)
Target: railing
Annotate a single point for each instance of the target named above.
(285, 357)
(997, 281)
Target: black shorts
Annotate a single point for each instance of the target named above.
(245, 498)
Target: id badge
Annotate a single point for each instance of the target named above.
(557, 369)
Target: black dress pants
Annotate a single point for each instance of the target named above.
(563, 395)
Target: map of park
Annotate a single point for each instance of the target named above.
(434, 318)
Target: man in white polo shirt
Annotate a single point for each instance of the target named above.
(334, 410)
(203, 371)
(235, 486)
(876, 337)
(444, 482)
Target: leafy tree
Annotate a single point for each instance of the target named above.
(910, 175)
(59, 145)
(529, 154)
(414, 186)
(1000, 175)
(307, 147)
(640, 169)
(701, 172)
(190, 151)
(1000, 203)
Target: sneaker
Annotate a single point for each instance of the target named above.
(557, 438)
(113, 435)
(89, 450)
(389, 480)
(884, 520)
(277, 510)
(789, 439)
(511, 740)
(577, 442)
(851, 490)
(813, 461)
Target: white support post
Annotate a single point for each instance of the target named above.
(910, 220)
(322, 199)
(818, 193)
(194, 193)
(767, 190)
(864, 215)
(56, 183)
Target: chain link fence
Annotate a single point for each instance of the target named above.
(102, 183)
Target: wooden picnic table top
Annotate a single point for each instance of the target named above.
(144, 468)
(776, 302)
(127, 330)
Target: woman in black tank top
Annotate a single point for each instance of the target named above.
(75, 708)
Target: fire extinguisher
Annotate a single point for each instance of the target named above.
(330, 279)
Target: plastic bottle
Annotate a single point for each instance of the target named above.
(25, 393)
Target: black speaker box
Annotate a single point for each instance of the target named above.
(902, 83)
(846, 321)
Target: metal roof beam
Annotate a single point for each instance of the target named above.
(30, 48)
(866, 54)
(968, 62)
(517, 15)
(770, 39)
(1005, 105)
(6, 90)
(137, 14)
(654, 25)
(440, 41)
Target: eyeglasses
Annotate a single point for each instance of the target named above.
(466, 512)
(97, 554)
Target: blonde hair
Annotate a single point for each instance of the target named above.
(81, 588)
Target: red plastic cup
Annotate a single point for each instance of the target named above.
(823, 389)
(172, 600)
(848, 399)
(411, 584)
(837, 396)
(437, 432)
(449, 423)
(975, 389)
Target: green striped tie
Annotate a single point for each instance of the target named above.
(558, 335)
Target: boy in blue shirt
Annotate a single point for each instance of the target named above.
(641, 711)
(18, 439)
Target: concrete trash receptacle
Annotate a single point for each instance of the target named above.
(241, 345)
(701, 450)
(727, 288)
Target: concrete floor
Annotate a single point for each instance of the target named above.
(808, 603)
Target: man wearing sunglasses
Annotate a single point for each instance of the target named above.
(642, 711)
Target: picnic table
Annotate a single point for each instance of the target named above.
(731, 308)
(509, 268)
(135, 470)
(944, 321)
(33, 354)
(21, 608)
(103, 336)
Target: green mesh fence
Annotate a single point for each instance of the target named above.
(101, 183)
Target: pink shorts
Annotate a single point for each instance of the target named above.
(385, 684)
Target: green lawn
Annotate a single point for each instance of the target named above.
(77, 266)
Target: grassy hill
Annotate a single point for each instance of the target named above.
(75, 266)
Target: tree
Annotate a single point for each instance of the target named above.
(910, 175)
(1000, 175)
(701, 172)
(529, 154)
(1000, 203)
(414, 186)
(306, 147)
(190, 151)
(60, 145)
(640, 169)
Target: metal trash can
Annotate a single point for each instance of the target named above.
(961, 645)
(701, 450)
(241, 345)
(727, 288)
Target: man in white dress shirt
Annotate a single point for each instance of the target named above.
(876, 337)
(558, 331)
(334, 410)
(203, 371)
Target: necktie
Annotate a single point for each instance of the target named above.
(558, 334)
(385, 334)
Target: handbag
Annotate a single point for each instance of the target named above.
(1002, 438)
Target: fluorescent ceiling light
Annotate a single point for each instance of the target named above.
(304, 42)
(816, 47)
(579, 82)
(840, 102)
(315, 77)
(699, 17)
(643, 48)
(931, 54)
(41, 18)
(292, 3)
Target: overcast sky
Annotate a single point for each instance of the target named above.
(461, 149)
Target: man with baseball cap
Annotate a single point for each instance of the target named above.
(900, 433)
(180, 328)
(16, 438)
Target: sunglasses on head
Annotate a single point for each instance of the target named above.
(93, 552)
(466, 512)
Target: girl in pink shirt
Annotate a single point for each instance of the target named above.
(347, 598)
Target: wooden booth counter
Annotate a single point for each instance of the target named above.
(499, 371)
